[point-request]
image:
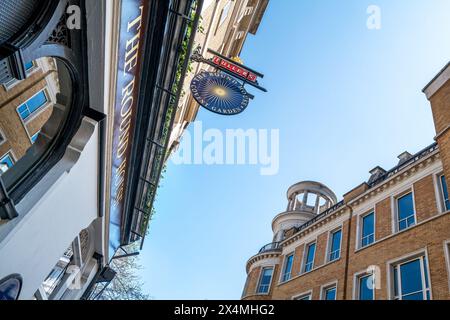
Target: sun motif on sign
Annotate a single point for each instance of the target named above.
(220, 91)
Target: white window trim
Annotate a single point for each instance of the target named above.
(280, 280)
(359, 228)
(447, 262)
(439, 191)
(11, 153)
(2, 133)
(403, 259)
(304, 294)
(325, 287)
(356, 277)
(260, 278)
(32, 135)
(13, 82)
(394, 208)
(221, 19)
(38, 111)
(305, 255)
(239, 35)
(328, 251)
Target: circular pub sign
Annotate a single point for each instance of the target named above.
(219, 93)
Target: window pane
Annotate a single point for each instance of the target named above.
(336, 240)
(330, 294)
(6, 162)
(288, 268)
(405, 211)
(266, 277)
(310, 257)
(445, 193)
(368, 225)
(425, 272)
(368, 229)
(32, 104)
(335, 245)
(411, 278)
(366, 288)
(225, 12)
(34, 137)
(28, 65)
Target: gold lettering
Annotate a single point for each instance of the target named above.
(136, 21)
(131, 63)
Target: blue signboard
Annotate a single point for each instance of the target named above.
(220, 93)
(132, 29)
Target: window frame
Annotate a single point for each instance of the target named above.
(447, 261)
(13, 82)
(395, 264)
(301, 296)
(3, 137)
(305, 257)
(34, 137)
(10, 154)
(330, 244)
(284, 273)
(357, 284)
(41, 108)
(361, 228)
(260, 279)
(326, 287)
(225, 9)
(395, 211)
(442, 199)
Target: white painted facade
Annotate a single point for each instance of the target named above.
(66, 201)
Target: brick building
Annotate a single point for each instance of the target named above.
(389, 238)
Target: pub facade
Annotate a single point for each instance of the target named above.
(86, 93)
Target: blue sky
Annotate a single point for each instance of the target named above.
(345, 99)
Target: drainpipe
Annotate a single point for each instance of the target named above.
(348, 250)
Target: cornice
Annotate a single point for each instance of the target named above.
(313, 227)
(397, 178)
(261, 256)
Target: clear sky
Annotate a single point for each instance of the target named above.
(345, 99)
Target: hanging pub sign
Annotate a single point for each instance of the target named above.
(219, 93)
(223, 91)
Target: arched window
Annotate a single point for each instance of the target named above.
(43, 93)
(32, 112)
